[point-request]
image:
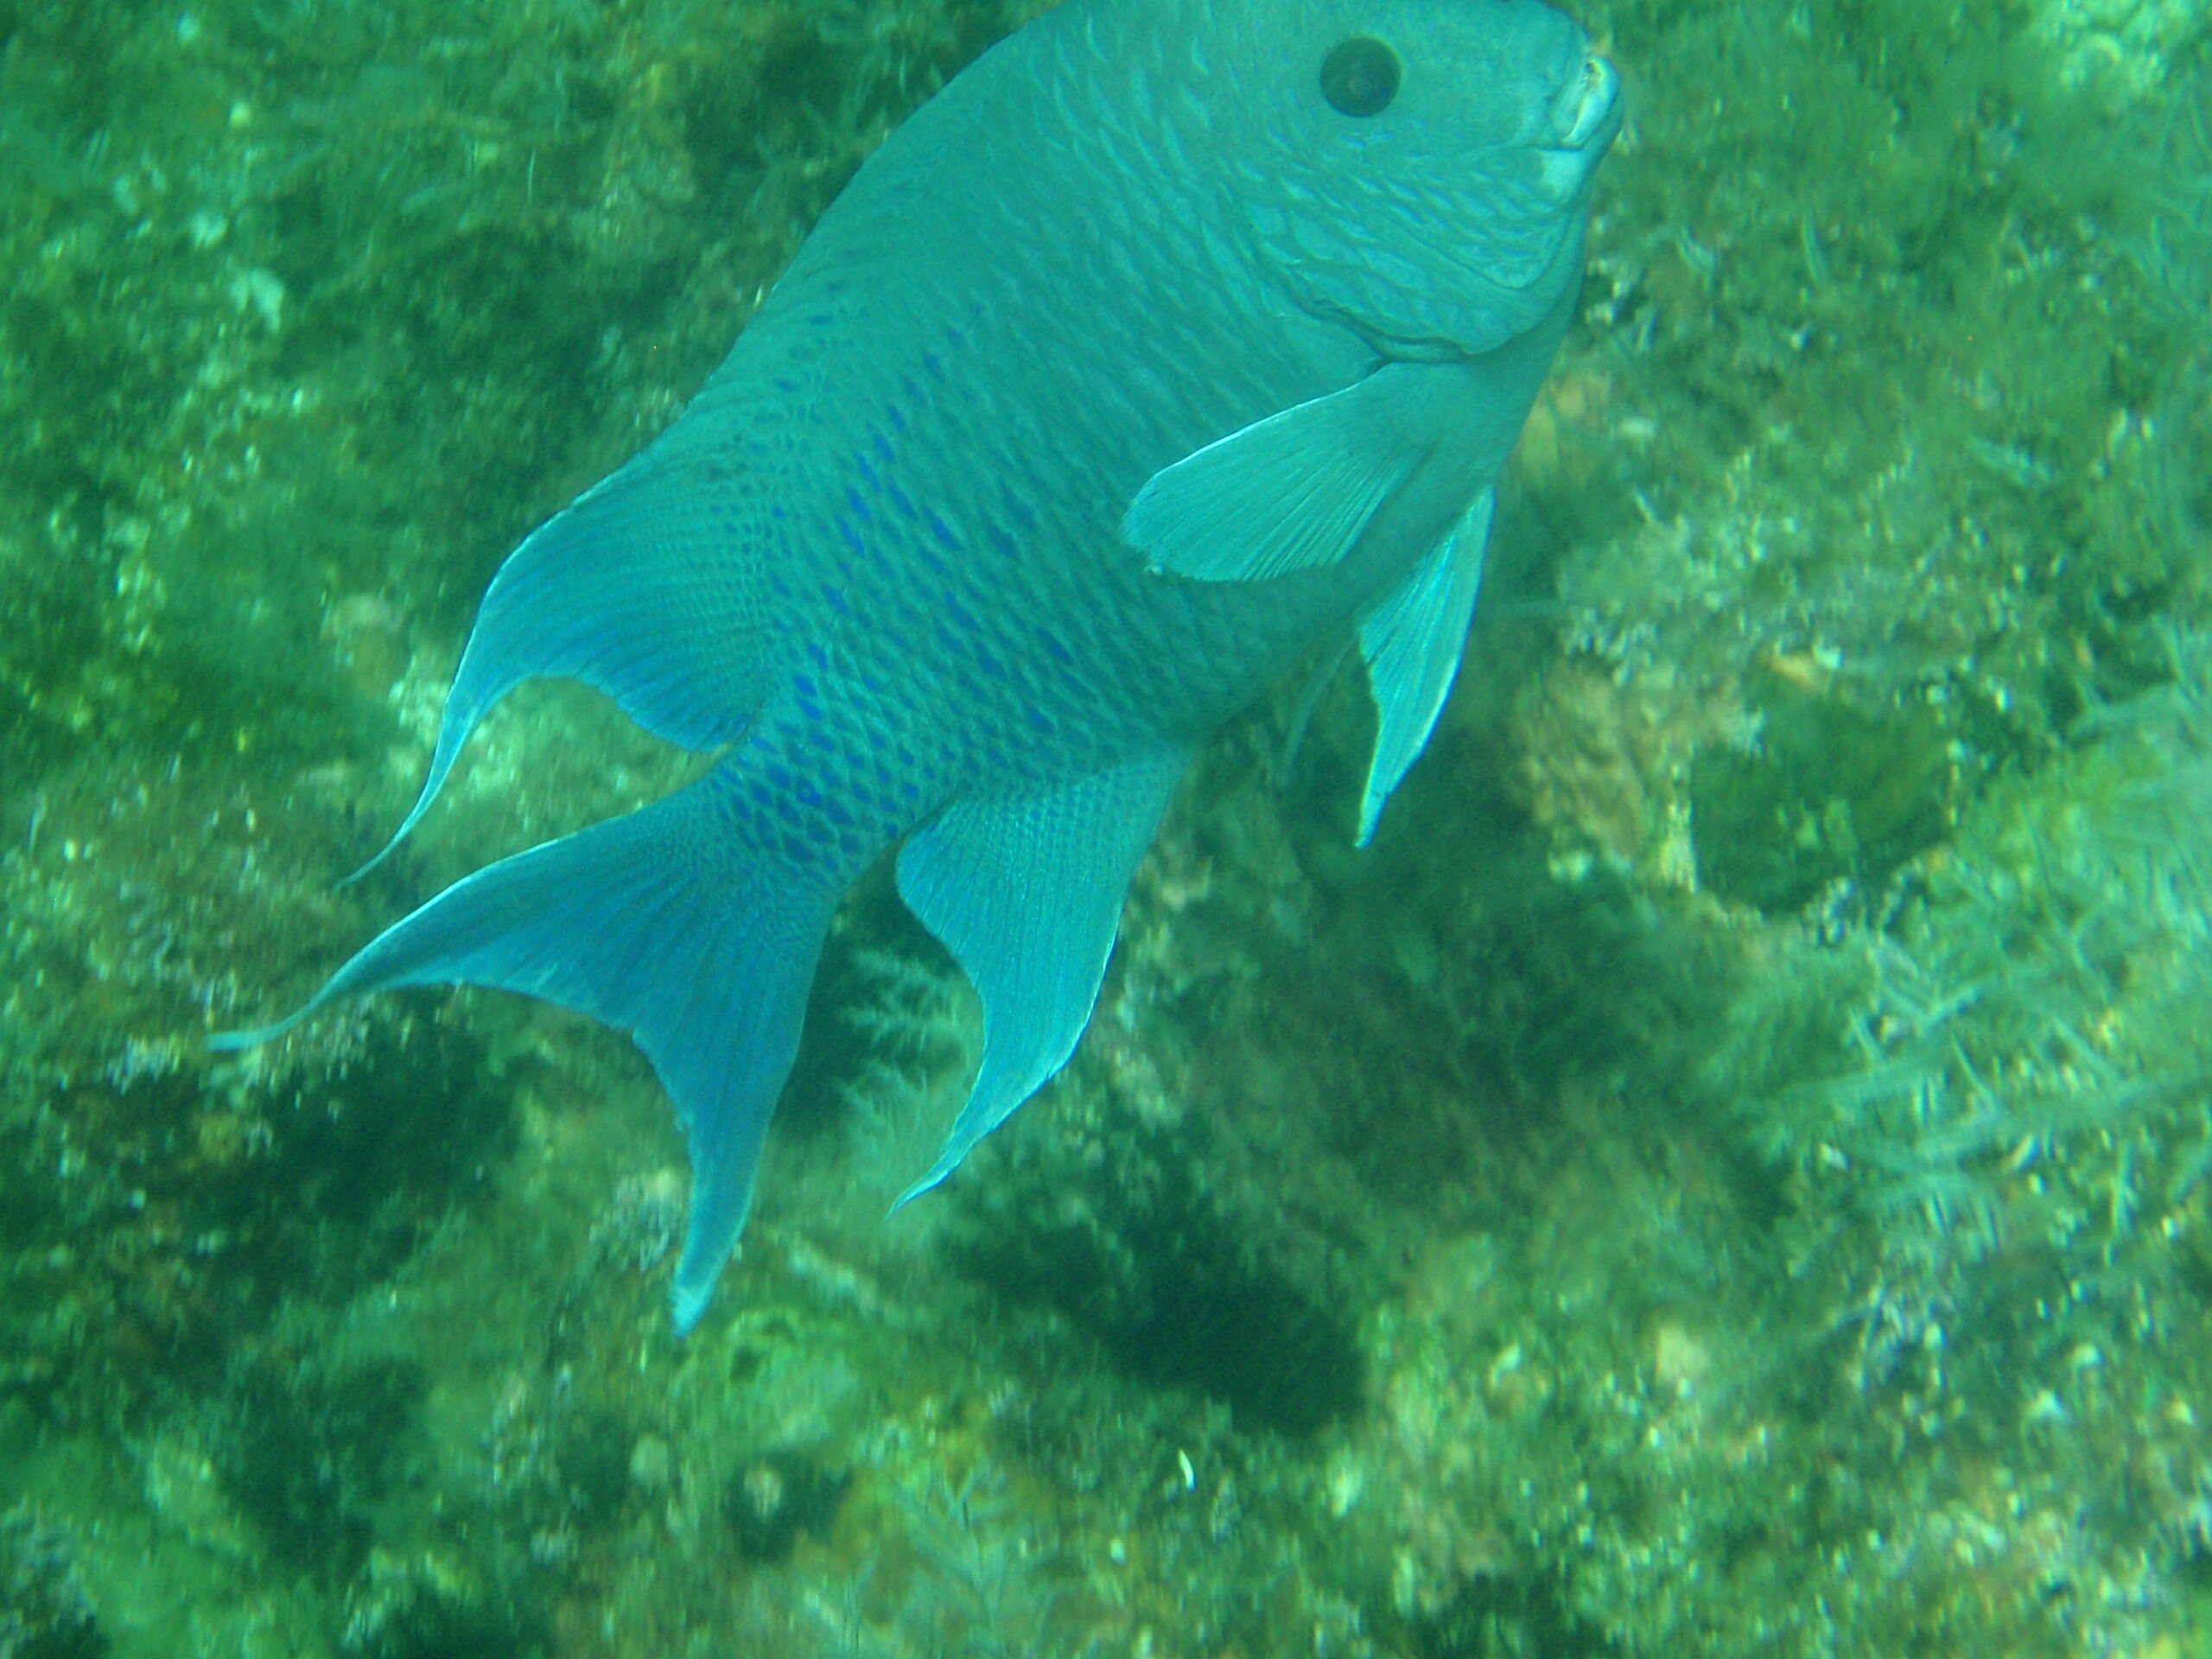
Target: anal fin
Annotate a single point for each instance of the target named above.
(1026, 893)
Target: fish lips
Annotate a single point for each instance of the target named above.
(1585, 117)
(1587, 110)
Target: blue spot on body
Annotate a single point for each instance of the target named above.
(858, 503)
(835, 596)
(943, 531)
(1058, 651)
(1002, 541)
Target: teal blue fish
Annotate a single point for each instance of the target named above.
(1171, 342)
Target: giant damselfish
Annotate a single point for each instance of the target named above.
(1172, 339)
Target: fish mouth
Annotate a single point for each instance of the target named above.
(1583, 117)
(1586, 108)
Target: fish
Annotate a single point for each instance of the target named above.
(1170, 345)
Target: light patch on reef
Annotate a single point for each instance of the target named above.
(2129, 40)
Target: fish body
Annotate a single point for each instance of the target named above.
(1172, 339)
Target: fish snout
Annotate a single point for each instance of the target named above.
(1584, 108)
(1582, 118)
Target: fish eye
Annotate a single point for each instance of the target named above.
(1360, 76)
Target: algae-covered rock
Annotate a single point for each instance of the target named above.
(44, 1610)
(1725, 1171)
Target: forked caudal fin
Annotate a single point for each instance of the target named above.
(662, 924)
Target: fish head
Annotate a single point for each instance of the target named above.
(1417, 171)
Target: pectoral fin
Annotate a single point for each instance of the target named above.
(1412, 642)
(1292, 492)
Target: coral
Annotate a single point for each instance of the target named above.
(1818, 793)
(968, 1577)
(774, 1497)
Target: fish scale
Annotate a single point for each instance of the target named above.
(1169, 343)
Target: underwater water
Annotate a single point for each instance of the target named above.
(1728, 1170)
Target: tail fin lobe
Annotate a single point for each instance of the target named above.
(663, 924)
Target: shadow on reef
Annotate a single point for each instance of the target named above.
(45, 1612)
(1496, 1615)
(209, 1208)
(311, 1445)
(410, 1611)
(1182, 1286)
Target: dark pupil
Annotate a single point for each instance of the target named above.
(1360, 76)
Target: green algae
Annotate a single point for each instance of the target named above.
(1726, 1173)
(1823, 794)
